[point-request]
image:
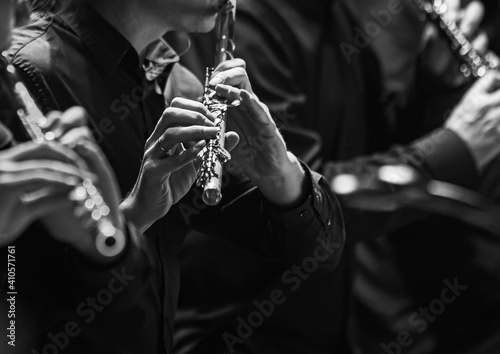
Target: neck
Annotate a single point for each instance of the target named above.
(133, 23)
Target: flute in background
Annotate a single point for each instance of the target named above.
(109, 240)
(473, 64)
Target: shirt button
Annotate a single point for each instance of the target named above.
(303, 214)
(318, 199)
(329, 222)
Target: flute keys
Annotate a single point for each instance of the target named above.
(79, 194)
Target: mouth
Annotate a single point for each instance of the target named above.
(223, 4)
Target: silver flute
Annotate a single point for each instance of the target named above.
(109, 240)
(214, 155)
(473, 64)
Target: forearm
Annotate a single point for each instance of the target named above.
(136, 207)
(129, 208)
(440, 155)
(286, 188)
(313, 228)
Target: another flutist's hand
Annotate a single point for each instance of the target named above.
(476, 120)
(169, 167)
(439, 58)
(261, 153)
(70, 225)
(34, 181)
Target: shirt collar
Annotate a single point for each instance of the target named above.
(109, 47)
(164, 52)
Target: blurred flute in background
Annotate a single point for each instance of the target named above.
(109, 240)
(473, 64)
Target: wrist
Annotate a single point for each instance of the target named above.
(287, 187)
(132, 211)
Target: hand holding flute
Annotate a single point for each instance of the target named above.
(37, 180)
(261, 153)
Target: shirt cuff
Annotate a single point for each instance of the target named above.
(446, 158)
(311, 208)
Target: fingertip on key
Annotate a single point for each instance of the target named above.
(217, 80)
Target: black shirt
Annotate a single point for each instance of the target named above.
(296, 64)
(77, 58)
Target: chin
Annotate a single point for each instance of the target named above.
(203, 26)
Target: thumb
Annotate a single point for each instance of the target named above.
(232, 140)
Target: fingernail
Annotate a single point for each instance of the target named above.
(210, 122)
(83, 148)
(200, 145)
(210, 132)
(211, 117)
(216, 81)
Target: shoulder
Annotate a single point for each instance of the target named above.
(32, 43)
(38, 52)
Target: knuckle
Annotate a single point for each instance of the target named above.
(177, 102)
(241, 63)
(79, 114)
(477, 7)
(198, 117)
(169, 113)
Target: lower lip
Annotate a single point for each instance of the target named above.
(221, 5)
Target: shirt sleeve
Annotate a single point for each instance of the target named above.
(312, 231)
(440, 155)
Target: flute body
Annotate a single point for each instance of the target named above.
(214, 155)
(109, 240)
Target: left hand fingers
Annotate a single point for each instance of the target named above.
(471, 18)
(235, 77)
(248, 102)
(232, 140)
(481, 42)
(232, 94)
(60, 123)
(72, 139)
(230, 64)
(453, 10)
(256, 109)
